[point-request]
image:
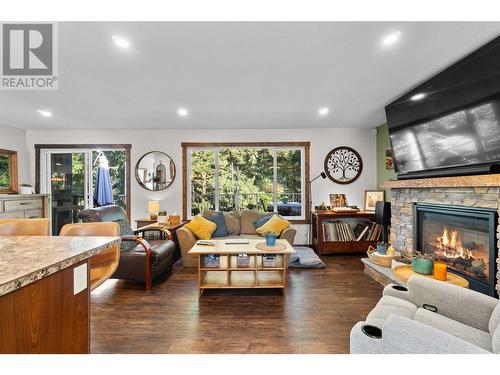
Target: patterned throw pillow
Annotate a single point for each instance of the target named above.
(261, 221)
(125, 230)
(275, 224)
(201, 227)
(218, 219)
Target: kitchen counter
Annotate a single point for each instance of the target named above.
(26, 259)
(45, 292)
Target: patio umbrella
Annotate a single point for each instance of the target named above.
(103, 191)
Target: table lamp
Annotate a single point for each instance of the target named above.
(153, 209)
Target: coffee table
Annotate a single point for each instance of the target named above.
(227, 274)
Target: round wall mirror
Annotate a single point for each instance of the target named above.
(155, 171)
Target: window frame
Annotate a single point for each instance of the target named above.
(187, 147)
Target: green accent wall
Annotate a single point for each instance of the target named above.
(383, 174)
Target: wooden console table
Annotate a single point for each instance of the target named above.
(323, 247)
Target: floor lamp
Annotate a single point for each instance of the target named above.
(323, 176)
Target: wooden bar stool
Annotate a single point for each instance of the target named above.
(24, 227)
(103, 265)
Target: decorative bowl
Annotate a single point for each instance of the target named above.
(422, 266)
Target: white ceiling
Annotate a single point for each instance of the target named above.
(237, 75)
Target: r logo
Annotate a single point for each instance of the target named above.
(27, 49)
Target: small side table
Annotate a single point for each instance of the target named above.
(171, 227)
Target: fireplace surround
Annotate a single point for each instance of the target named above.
(463, 237)
(481, 191)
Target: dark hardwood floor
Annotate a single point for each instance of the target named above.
(316, 316)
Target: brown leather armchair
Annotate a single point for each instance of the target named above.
(24, 227)
(102, 265)
(140, 260)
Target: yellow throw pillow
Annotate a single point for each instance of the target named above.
(276, 224)
(201, 227)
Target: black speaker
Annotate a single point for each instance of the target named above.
(383, 213)
(383, 217)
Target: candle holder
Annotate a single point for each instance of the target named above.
(440, 270)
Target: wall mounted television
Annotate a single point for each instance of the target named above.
(450, 124)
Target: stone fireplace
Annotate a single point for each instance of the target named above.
(462, 241)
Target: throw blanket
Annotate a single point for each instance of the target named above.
(305, 257)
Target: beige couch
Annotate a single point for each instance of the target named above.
(239, 225)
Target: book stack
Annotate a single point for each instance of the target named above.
(337, 231)
(342, 231)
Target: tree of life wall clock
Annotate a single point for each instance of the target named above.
(343, 165)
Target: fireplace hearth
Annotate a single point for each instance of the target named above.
(463, 237)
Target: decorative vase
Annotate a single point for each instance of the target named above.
(422, 266)
(382, 248)
(270, 240)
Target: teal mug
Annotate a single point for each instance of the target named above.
(382, 248)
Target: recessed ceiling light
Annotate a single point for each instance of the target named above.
(323, 111)
(120, 42)
(44, 112)
(182, 112)
(418, 96)
(391, 38)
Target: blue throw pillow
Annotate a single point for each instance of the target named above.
(218, 219)
(260, 222)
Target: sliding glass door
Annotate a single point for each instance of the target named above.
(66, 179)
(69, 176)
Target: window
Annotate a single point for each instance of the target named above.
(270, 177)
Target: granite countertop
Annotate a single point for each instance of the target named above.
(25, 259)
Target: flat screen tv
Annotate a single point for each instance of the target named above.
(450, 124)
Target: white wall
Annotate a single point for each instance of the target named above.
(169, 141)
(15, 139)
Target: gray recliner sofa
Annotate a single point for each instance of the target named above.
(430, 317)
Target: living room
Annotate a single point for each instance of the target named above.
(327, 180)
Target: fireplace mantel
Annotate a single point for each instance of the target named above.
(487, 180)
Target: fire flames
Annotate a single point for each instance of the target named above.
(449, 245)
(470, 258)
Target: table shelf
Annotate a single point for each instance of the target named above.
(323, 247)
(228, 275)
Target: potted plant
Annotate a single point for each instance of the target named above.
(271, 238)
(422, 263)
(284, 199)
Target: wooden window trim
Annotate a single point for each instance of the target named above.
(306, 145)
(126, 147)
(13, 172)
